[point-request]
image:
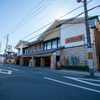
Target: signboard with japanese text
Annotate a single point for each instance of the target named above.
(74, 39)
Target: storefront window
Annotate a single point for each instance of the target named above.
(59, 43)
(54, 44)
(48, 45)
(44, 46)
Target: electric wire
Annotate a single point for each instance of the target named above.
(25, 17)
(53, 21)
(71, 19)
(28, 19)
(36, 10)
(68, 20)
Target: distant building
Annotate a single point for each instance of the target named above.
(10, 56)
(2, 58)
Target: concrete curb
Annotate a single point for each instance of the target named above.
(96, 74)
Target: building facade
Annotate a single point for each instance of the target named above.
(44, 52)
(2, 58)
(64, 41)
(74, 39)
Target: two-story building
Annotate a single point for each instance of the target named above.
(45, 52)
(22, 49)
(74, 39)
(65, 41)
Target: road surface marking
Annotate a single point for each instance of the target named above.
(13, 69)
(3, 71)
(81, 80)
(58, 81)
(87, 79)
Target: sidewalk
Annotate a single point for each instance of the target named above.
(96, 74)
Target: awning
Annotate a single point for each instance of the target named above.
(42, 51)
(13, 57)
(42, 56)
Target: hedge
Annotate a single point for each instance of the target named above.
(82, 68)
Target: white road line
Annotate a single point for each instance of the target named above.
(86, 79)
(13, 68)
(72, 85)
(79, 80)
(3, 71)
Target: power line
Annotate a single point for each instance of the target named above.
(46, 15)
(51, 22)
(69, 20)
(27, 20)
(29, 16)
(35, 11)
(26, 16)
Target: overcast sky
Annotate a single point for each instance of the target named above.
(19, 18)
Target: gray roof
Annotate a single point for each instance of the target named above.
(35, 42)
(20, 42)
(58, 23)
(42, 51)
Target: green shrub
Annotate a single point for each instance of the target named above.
(82, 68)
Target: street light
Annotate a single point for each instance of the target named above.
(90, 57)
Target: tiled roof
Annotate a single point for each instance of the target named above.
(42, 51)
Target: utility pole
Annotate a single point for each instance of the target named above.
(0, 46)
(6, 49)
(90, 56)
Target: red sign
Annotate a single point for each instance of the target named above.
(75, 39)
(58, 64)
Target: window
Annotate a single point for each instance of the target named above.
(54, 44)
(59, 43)
(39, 46)
(48, 45)
(44, 46)
(35, 48)
(25, 50)
(51, 44)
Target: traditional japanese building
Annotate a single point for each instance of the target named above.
(64, 40)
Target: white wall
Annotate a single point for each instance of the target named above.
(68, 31)
(1, 59)
(21, 50)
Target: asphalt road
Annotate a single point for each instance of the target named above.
(36, 83)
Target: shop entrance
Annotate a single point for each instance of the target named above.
(17, 62)
(57, 58)
(26, 61)
(47, 61)
(38, 61)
